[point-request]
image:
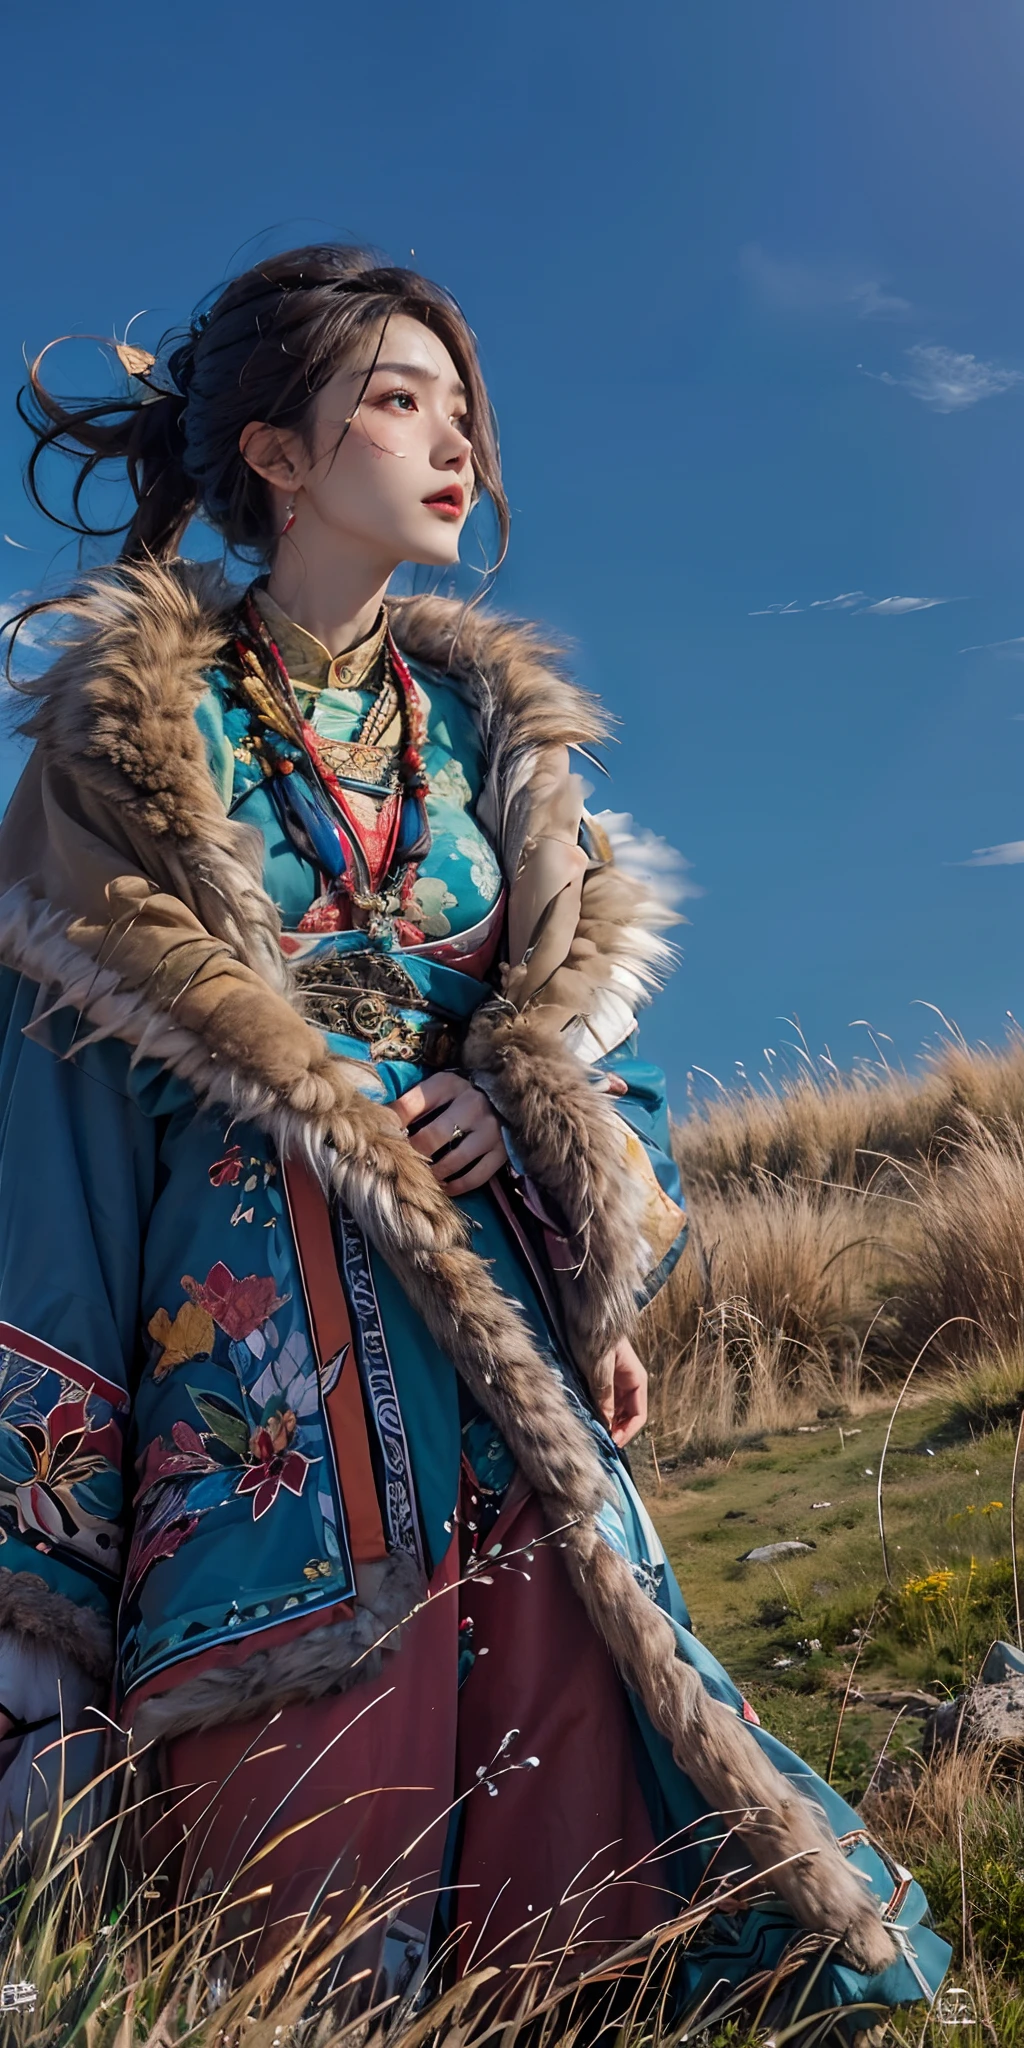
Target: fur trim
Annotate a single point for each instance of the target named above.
(572, 1143)
(117, 713)
(785, 1835)
(329, 1659)
(180, 960)
(31, 1607)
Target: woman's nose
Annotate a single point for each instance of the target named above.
(457, 448)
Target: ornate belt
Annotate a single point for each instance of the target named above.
(369, 995)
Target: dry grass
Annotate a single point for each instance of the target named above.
(960, 1825)
(838, 1222)
(970, 1257)
(766, 1315)
(110, 1970)
(842, 1128)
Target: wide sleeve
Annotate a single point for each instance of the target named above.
(78, 1162)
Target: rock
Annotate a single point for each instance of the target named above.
(766, 1553)
(987, 1717)
(1004, 1660)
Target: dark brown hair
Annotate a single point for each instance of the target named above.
(264, 349)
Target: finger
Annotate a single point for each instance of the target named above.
(473, 1146)
(450, 1128)
(628, 1414)
(477, 1176)
(468, 1117)
(635, 1398)
(624, 1432)
(432, 1093)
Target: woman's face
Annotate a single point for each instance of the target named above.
(398, 486)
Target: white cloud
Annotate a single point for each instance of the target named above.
(790, 286)
(1005, 650)
(895, 605)
(854, 601)
(1009, 855)
(946, 381)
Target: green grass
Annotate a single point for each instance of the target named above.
(946, 1503)
(937, 1498)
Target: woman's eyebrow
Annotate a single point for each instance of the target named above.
(414, 370)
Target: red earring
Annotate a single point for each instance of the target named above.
(290, 521)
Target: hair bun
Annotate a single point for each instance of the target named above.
(181, 365)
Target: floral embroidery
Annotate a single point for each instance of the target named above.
(238, 1306)
(483, 868)
(161, 1528)
(228, 1171)
(449, 786)
(60, 1459)
(264, 1456)
(278, 1466)
(428, 903)
(318, 1568)
(189, 1336)
(225, 1172)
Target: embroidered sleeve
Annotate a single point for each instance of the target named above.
(77, 1168)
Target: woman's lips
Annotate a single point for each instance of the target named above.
(448, 502)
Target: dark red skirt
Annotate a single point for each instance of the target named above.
(553, 1853)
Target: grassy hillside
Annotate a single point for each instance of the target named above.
(850, 1235)
(840, 1227)
(839, 1662)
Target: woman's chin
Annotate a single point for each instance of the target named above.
(442, 553)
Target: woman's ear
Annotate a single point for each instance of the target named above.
(273, 453)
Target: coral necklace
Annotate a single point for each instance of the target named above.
(370, 855)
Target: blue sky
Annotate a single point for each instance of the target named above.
(749, 293)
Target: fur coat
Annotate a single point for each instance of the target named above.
(129, 895)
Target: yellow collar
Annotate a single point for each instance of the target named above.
(309, 663)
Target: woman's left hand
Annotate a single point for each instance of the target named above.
(625, 1408)
(456, 1110)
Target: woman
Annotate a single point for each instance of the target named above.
(331, 1188)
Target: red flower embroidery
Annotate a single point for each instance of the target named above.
(265, 1480)
(239, 1306)
(225, 1172)
(163, 1461)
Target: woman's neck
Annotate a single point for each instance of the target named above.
(337, 601)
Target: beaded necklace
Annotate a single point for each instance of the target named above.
(375, 871)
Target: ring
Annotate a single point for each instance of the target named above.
(457, 1134)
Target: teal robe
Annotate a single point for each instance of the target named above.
(164, 1450)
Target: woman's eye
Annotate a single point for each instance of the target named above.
(404, 400)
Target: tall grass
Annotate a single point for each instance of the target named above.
(765, 1316)
(836, 1223)
(110, 1969)
(824, 1125)
(960, 1825)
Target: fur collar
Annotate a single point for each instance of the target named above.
(127, 892)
